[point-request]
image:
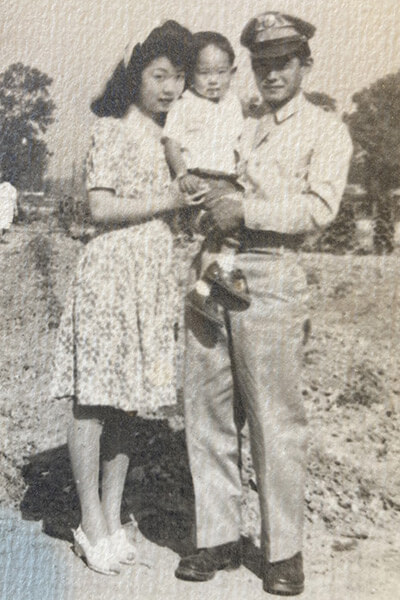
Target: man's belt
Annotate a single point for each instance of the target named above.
(253, 241)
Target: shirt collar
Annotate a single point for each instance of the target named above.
(265, 124)
(136, 118)
(290, 108)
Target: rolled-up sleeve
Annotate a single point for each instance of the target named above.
(284, 201)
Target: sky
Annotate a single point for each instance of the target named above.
(78, 43)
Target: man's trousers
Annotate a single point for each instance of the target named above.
(255, 361)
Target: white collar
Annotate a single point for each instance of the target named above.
(138, 119)
(290, 108)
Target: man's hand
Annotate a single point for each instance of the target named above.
(226, 212)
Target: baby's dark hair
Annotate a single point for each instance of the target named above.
(202, 39)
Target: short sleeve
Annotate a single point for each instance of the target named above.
(100, 167)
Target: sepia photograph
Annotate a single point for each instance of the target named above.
(200, 299)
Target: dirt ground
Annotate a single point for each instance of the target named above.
(351, 388)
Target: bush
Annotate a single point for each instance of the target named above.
(384, 226)
(364, 385)
(339, 237)
(40, 252)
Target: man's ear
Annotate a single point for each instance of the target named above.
(308, 62)
(306, 66)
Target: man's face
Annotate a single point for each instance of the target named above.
(279, 78)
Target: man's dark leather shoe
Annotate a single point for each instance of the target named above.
(203, 565)
(284, 578)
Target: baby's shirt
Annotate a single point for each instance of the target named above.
(207, 131)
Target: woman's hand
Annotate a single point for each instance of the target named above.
(189, 184)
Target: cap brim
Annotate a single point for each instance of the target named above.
(276, 48)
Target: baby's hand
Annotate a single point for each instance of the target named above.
(189, 184)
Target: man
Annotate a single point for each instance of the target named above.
(295, 158)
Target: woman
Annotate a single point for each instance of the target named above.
(116, 349)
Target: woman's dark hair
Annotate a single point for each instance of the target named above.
(122, 89)
(202, 39)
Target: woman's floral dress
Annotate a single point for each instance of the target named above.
(116, 344)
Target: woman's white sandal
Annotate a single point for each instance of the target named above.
(123, 549)
(99, 557)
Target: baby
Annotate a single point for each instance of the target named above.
(200, 138)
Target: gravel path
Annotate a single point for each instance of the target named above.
(351, 388)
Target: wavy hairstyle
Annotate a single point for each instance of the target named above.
(122, 89)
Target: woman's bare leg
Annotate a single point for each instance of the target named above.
(84, 448)
(114, 475)
(115, 467)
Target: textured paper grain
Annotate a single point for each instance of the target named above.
(78, 44)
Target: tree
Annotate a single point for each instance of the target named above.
(375, 125)
(26, 111)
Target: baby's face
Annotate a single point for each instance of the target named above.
(213, 73)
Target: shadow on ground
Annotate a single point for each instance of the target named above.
(158, 492)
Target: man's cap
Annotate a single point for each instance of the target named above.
(272, 34)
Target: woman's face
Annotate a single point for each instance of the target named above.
(162, 83)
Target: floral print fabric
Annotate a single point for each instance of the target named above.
(116, 343)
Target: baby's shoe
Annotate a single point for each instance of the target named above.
(205, 305)
(233, 291)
